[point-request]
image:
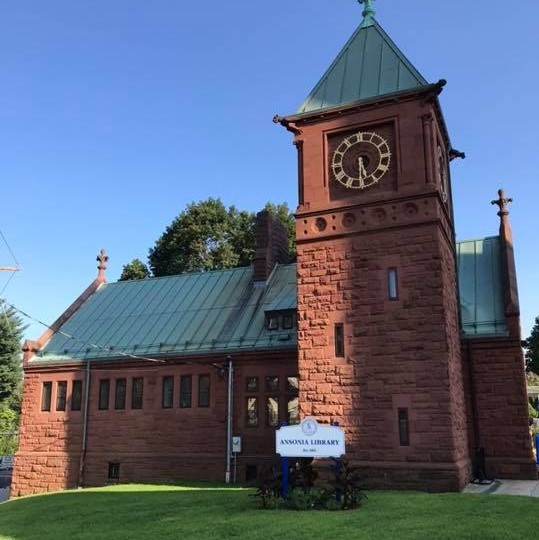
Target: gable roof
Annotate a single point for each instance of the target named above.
(369, 65)
(199, 313)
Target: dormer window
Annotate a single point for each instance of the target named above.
(281, 320)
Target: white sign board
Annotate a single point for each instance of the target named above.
(236, 444)
(310, 439)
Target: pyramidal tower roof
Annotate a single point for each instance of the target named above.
(370, 65)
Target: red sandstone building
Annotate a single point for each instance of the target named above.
(409, 340)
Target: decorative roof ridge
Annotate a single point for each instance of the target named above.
(30, 347)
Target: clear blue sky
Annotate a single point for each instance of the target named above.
(115, 114)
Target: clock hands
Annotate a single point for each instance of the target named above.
(362, 172)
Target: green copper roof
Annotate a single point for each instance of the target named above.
(370, 65)
(481, 287)
(225, 311)
(188, 314)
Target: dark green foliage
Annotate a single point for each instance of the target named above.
(11, 329)
(532, 348)
(209, 236)
(344, 492)
(136, 269)
(347, 484)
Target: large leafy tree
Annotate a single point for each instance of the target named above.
(11, 329)
(136, 269)
(209, 236)
(532, 348)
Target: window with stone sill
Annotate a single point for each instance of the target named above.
(104, 389)
(46, 395)
(137, 392)
(251, 419)
(186, 391)
(61, 395)
(119, 394)
(76, 395)
(168, 392)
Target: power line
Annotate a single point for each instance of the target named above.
(9, 248)
(77, 340)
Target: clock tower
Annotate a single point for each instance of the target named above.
(378, 324)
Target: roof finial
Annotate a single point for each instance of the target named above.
(502, 202)
(368, 13)
(102, 259)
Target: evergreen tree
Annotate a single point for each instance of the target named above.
(532, 349)
(11, 329)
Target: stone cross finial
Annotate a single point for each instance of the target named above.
(368, 11)
(102, 259)
(502, 203)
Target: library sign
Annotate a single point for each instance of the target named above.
(310, 439)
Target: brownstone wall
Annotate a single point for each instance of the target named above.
(499, 402)
(153, 443)
(399, 354)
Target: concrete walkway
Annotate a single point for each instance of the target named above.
(529, 488)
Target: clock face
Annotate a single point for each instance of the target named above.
(361, 160)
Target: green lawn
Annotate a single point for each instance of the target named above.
(200, 513)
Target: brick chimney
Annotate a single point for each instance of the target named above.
(271, 241)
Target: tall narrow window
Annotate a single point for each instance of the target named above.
(203, 390)
(46, 393)
(272, 411)
(76, 395)
(104, 389)
(392, 284)
(339, 340)
(293, 410)
(404, 428)
(137, 393)
(114, 471)
(168, 392)
(119, 394)
(61, 394)
(252, 412)
(186, 391)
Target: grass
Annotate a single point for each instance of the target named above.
(133, 512)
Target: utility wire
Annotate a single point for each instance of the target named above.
(77, 340)
(9, 248)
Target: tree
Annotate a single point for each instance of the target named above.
(532, 349)
(209, 236)
(136, 269)
(11, 329)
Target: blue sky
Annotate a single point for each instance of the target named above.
(115, 114)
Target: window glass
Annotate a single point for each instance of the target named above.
(293, 410)
(273, 322)
(119, 394)
(339, 340)
(76, 395)
(104, 388)
(168, 392)
(203, 390)
(186, 386)
(46, 393)
(61, 394)
(288, 321)
(272, 383)
(404, 430)
(292, 384)
(137, 393)
(393, 292)
(252, 412)
(272, 411)
(114, 471)
(251, 384)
